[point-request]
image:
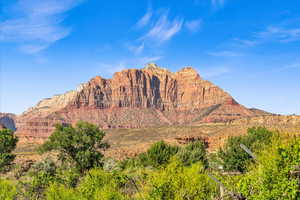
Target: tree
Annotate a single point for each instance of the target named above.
(77, 145)
(8, 142)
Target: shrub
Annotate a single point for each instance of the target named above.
(78, 145)
(272, 177)
(60, 192)
(158, 154)
(7, 190)
(98, 184)
(179, 182)
(193, 152)
(234, 158)
(8, 143)
(42, 175)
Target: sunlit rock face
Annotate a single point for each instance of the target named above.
(152, 96)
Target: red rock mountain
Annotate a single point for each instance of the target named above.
(152, 96)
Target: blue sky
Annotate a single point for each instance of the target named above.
(249, 48)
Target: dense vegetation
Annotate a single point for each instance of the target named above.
(8, 143)
(79, 170)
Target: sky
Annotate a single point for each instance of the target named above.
(251, 49)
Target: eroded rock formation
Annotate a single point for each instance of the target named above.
(132, 98)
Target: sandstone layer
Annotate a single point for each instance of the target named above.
(135, 98)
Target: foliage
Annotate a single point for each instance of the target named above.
(79, 145)
(60, 192)
(193, 152)
(42, 175)
(7, 190)
(158, 154)
(180, 183)
(272, 177)
(8, 143)
(234, 158)
(163, 172)
(97, 184)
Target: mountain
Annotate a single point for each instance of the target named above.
(134, 98)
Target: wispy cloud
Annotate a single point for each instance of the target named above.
(248, 43)
(108, 69)
(146, 59)
(225, 54)
(193, 25)
(145, 19)
(288, 67)
(163, 29)
(136, 49)
(214, 72)
(280, 34)
(217, 3)
(275, 34)
(37, 23)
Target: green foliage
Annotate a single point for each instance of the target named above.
(42, 175)
(78, 145)
(272, 177)
(158, 154)
(179, 183)
(7, 190)
(99, 184)
(163, 172)
(8, 143)
(234, 158)
(60, 192)
(68, 176)
(193, 152)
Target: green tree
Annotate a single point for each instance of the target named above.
(234, 158)
(79, 145)
(8, 142)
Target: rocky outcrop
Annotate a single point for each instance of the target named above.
(7, 120)
(151, 96)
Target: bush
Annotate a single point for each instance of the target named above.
(8, 143)
(78, 146)
(98, 184)
(42, 175)
(193, 152)
(179, 182)
(7, 190)
(273, 177)
(158, 154)
(234, 158)
(60, 192)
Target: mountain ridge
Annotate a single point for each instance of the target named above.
(134, 98)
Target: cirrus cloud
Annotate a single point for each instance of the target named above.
(34, 24)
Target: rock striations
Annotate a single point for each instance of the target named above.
(133, 98)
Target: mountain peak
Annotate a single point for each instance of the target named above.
(188, 72)
(154, 67)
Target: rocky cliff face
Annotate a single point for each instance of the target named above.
(152, 96)
(7, 120)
